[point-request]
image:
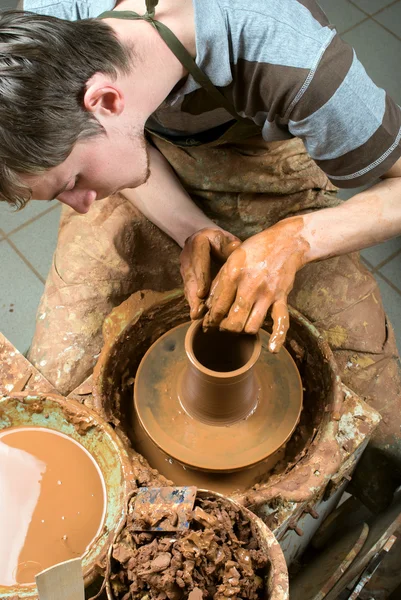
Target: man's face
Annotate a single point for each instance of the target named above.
(95, 169)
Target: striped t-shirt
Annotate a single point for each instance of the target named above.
(281, 64)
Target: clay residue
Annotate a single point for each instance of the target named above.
(82, 422)
(218, 557)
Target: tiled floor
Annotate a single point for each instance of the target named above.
(28, 238)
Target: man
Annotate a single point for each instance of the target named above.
(222, 162)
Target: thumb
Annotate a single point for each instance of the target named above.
(223, 244)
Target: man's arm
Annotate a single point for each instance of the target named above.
(260, 274)
(163, 200)
(370, 217)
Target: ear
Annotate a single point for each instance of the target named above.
(103, 97)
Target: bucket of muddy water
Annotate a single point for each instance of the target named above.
(226, 552)
(64, 479)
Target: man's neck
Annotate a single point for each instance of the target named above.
(156, 70)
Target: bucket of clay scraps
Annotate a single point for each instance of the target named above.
(276, 586)
(99, 439)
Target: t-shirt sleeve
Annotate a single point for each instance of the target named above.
(70, 10)
(350, 126)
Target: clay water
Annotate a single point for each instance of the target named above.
(52, 501)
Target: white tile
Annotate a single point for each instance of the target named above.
(392, 270)
(392, 305)
(37, 241)
(6, 4)
(342, 13)
(380, 253)
(20, 292)
(10, 219)
(379, 52)
(391, 18)
(371, 6)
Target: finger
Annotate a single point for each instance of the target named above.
(281, 323)
(240, 310)
(258, 314)
(224, 293)
(196, 304)
(200, 256)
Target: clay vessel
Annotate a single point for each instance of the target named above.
(219, 384)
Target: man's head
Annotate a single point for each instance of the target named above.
(56, 90)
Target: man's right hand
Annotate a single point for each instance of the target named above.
(196, 263)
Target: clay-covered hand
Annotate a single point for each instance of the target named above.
(259, 275)
(195, 261)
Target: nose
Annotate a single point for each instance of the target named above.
(78, 200)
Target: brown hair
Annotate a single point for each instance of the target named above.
(45, 64)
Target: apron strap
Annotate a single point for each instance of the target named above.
(179, 50)
(151, 7)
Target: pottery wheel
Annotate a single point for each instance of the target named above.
(212, 447)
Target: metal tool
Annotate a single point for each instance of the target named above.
(63, 581)
(163, 509)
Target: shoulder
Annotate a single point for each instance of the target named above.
(71, 10)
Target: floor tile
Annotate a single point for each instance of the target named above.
(371, 6)
(10, 219)
(5, 4)
(346, 194)
(392, 270)
(20, 292)
(392, 304)
(391, 18)
(342, 13)
(377, 254)
(379, 52)
(37, 241)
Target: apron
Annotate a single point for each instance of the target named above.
(245, 185)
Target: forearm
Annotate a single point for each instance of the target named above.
(163, 200)
(371, 217)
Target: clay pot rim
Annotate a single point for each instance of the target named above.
(193, 328)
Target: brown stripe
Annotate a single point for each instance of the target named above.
(371, 150)
(256, 87)
(371, 175)
(330, 74)
(315, 11)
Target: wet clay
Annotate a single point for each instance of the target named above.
(52, 501)
(169, 430)
(256, 276)
(195, 263)
(219, 556)
(218, 385)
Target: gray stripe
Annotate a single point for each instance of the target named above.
(315, 11)
(280, 33)
(347, 120)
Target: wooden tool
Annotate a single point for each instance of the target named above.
(62, 582)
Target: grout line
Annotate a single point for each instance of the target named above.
(375, 13)
(387, 260)
(366, 263)
(387, 29)
(32, 220)
(353, 27)
(389, 282)
(25, 260)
